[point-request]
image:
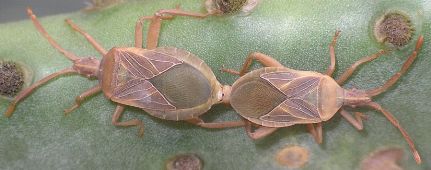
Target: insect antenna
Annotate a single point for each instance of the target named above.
(26, 92)
(394, 78)
(39, 27)
(395, 122)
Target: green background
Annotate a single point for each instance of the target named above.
(297, 33)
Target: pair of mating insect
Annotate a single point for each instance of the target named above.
(174, 84)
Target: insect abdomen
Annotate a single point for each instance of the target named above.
(256, 98)
(183, 86)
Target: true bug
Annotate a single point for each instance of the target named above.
(275, 96)
(168, 83)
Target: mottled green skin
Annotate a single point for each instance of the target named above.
(296, 33)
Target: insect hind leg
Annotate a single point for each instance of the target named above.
(215, 125)
(266, 61)
(155, 25)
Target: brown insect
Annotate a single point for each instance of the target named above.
(168, 83)
(276, 96)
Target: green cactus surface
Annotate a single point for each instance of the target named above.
(295, 32)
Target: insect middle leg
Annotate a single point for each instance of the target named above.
(89, 38)
(266, 60)
(26, 92)
(79, 99)
(134, 122)
(215, 125)
(154, 29)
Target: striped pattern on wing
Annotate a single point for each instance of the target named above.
(302, 97)
(146, 65)
(131, 85)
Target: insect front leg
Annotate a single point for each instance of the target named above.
(316, 132)
(26, 92)
(355, 65)
(79, 99)
(215, 125)
(134, 122)
(266, 61)
(259, 132)
(355, 121)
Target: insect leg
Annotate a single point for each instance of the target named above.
(394, 78)
(134, 122)
(355, 121)
(89, 38)
(355, 65)
(153, 31)
(26, 92)
(216, 125)
(266, 60)
(79, 99)
(316, 132)
(258, 133)
(331, 67)
(53, 43)
(395, 122)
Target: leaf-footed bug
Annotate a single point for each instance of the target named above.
(167, 82)
(275, 96)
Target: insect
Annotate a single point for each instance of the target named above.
(275, 96)
(168, 83)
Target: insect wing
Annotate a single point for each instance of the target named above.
(147, 64)
(131, 86)
(301, 92)
(141, 93)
